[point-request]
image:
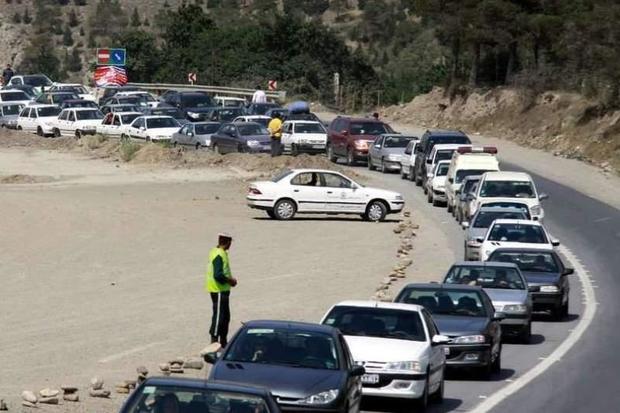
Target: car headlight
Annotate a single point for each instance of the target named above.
(515, 308)
(478, 339)
(194, 115)
(394, 157)
(360, 144)
(442, 187)
(398, 197)
(473, 243)
(324, 397)
(404, 366)
(549, 289)
(536, 210)
(253, 142)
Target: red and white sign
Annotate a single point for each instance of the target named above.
(103, 56)
(272, 84)
(191, 77)
(110, 76)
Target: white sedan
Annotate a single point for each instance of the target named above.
(515, 233)
(151, 128)
(39, 119)
(321, 191)
(399, 346)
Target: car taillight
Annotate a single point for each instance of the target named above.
(254, 191)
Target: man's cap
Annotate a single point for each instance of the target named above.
(224, 235)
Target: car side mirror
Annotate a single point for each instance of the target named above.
(555, 242)
(354, 187)
(190, 134)
(451, 180)
(210, 358)
(429, 161)
(439, 339)
(543, 196)
(469, 197)
(378, 146)
(479, 240)
(568, 271)
(532, 288)
(142, 128)
(498, 316)
(465, 224)
(357, 371)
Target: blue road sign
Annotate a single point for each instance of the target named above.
(117, 57)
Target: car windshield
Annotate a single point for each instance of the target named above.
(377, 322)
(127, 119)
(174, 112)
(281, 175)
(507, 189)
(463, 173)
(369, 128)
(444, 155)
(73, 89)
(486, 276)
(196, 101)
(531, 234)
(530, 261)
(309, 127)
(61, 97)
(445, 301)
(248, 129)
(484, 219)
(468, 185)
(228, 114)
(180, 399)
(14, 95)
(163, 122)
(442, 169)
(48, 111)
(262, 108)
(129, 100)
(284, 346)
(11, 109)
(81, 104)
(207, 128)
(396, 142)
(516, 205)
(37, 81)
(88, 114)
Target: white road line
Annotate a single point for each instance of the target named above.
(126, 353)
(587, 317)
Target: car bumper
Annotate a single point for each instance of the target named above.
(472, 253)
(391, 165)
(10, 124)
(439, 195)
(515, 323)
(285, 408)
(402, 386)
(259, 203)
(396, 206)
(310, 148)
(258, 149)
(546, 301)
(468, 355)
(360, 154)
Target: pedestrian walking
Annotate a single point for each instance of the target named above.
(275, 128)
(7, 74)
(218, 283)
(259, 96)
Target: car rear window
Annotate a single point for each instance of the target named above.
(207, 129)
(445, 301)
(484, 219)
(396, 141)
(368, 128)
(533, 261)
(531, 234)
(507, 189)
(13, 96)
(486, 276)
(11, 109)
(48, 111)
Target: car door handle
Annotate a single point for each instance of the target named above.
(329, 192)
(295, 190)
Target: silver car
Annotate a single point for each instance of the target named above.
(8, 114)
(462, 201)
(507, 289)
(480, 223)
(387, 151)
(196, 134)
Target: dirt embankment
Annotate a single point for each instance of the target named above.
(566, 124)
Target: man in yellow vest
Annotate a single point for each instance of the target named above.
(275, 128)
(218, 283)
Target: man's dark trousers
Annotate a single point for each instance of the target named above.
(276, 147)
(221, 317)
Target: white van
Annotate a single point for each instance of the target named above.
(507, 187)
(467, 161)
(440, 152)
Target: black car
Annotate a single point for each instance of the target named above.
(307, 367)
(428, 141)
(546, 276)
(110, 91)
(183, 395)
(223, 114)
(29, 90)
(166, 110)
(260, 108)
(193, 104)
(78, 103)
(56, 98)
(241, 137)
(466, 315)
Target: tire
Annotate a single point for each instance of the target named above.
(418, 180)
(558, 312)
(330, 154)
(271, 214)
(40, 132)
(350, 157)
(56, 132)
(148, 139)
(422, 402)
(125, 137)
(450, 208)
(294, 150)
(376, 211)
(565, 309)
(216, 149)
(402, 175)
(240, 148)
(174, 144)
(436, 202)
(425, 189)
(438, 395)
(284, 209)
(496, 367)
(526, 334)
(411, 176)
(78, 134)
(371, 167)
(382, 167)
(197, 146)
(429, 197)
(19, 128)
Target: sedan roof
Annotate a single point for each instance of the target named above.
(437, 286)
(319, 328)
(203, 384)
(518, 222)
(495, 264)
(506, 176)
(380, 304)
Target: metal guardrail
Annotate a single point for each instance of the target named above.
(229, 91)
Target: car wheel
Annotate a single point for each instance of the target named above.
(376, 211)
(40, 132)
(403, 175)
(438, 395)
(56, 133)
(271, 214)
(526, 334)
(422, 402)
(294, 150)
(450, 208)
(382, 166)
(197, 146)
(350, 157)
(240, 148)
(370, 165)
(330, 154)
(284, 209)
(429, 197)
(425, 189)
(124, 137)
(19, 128)
(148, 139)
(565, 309)
(174, 144)
(497, 364)
(558, 312)
(418, 180)
(411, 176)
(216, 149)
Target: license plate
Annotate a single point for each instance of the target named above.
(318, 146)
(446, 351)
(370, 378)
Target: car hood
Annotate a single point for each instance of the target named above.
(260, 138)
(90, 122)
(501, 296)
(162, 131)
(439, 181)
(456, 325)
(393, 151)
(380, 193)
(282, 381)
(311, 136)
(473, 233)
(541, 278)
(384, 349)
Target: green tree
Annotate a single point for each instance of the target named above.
(40, 57)
(73, 19)
(17, 18)
(73, 61)
(144, 55)
(107, 19)
(67, 36)
(27, 19)
(135, 18)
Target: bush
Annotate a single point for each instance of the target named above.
(128, 150)
(94, 142)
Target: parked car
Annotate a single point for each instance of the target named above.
(480, 223)
(263, 120)
(303, 137)
(307, 367)
(277, 111)
(185, 395)
(305, 116)
(29, 90)
(440, 152)
(165, 110)
(468, 185)
(9, 113)
(145, 99)
(14, 97)
(229, 101)
(387, 151)
(76, 122)
(515, 233)
(546, 277)
(119, 99)
(223, 114)
(120, 108)
(39, 82)
(321, 191)
(427, 142)
(110, 91)
(241, 137)
(196, 134)
(193, 104)
(507, 289)
(260, 108)
(398, 345)
(352, 137)
(408, 159)
(78, 103)
(435, 186)
(509, 187)
(55, 98)
(75, 88)
(115, 123)
(466, 315)
(151, 128)
(39, 119)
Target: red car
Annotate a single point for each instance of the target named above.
(350, 138)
